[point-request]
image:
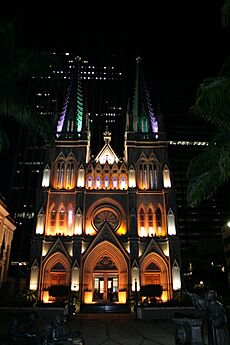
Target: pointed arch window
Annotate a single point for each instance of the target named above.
(153, 176)
(106, 182)
(53, 217)
(58, 174)
(61, 182)
(159, 221)
(115, 182)
(150, 222)
(90, 182)
(68, 176)
(140, 175)
(145, 183)
(62, 217)
(70, 217)
(142, 217)
(71, 175)
(123, 182)
(98, 182)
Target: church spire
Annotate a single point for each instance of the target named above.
(73, 117)
(144, 118)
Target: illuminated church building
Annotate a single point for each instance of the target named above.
(106, 225)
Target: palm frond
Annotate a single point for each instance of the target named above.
(213, 101)
(225, 14)
(203, 187)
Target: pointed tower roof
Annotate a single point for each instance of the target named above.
(107, 154)
(144, 117)
(73, 118)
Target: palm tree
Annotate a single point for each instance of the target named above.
(211, 169)
(17, 66)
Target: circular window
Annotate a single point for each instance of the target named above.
(106, 216)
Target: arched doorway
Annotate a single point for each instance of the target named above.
(105, 275)
(105, 280)
(155, 270)
(56, 272)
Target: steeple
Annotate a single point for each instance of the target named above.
(144, 117)
(73, 118)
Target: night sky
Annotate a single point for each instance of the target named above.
(181, 42)
(173, 37)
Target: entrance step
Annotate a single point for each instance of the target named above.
(105, 308)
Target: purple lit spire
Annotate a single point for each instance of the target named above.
(153, 119)
(63, 113)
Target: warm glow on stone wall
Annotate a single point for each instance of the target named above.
(90, 231)
(122, 296)
(135, 277)
(164, 296)
(75, 279)
(34, 278)
(165, 248)
(88, 297)
(121, 230)
(45, 296)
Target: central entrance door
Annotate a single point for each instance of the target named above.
(105, 287)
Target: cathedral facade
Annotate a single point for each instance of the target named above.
(106, 226)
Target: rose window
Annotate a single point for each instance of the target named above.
(106, 216)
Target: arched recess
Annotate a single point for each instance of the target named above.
(161, 267)
(56, 271)
(160, 221)
(51, 219)
(105, 249)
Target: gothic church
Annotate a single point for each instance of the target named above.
(106, 226)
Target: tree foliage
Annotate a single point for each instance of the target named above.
(211, 169)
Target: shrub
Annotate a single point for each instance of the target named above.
(59, 291)
(151, 290)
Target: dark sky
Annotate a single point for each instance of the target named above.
(173, 37)
(181, 42)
